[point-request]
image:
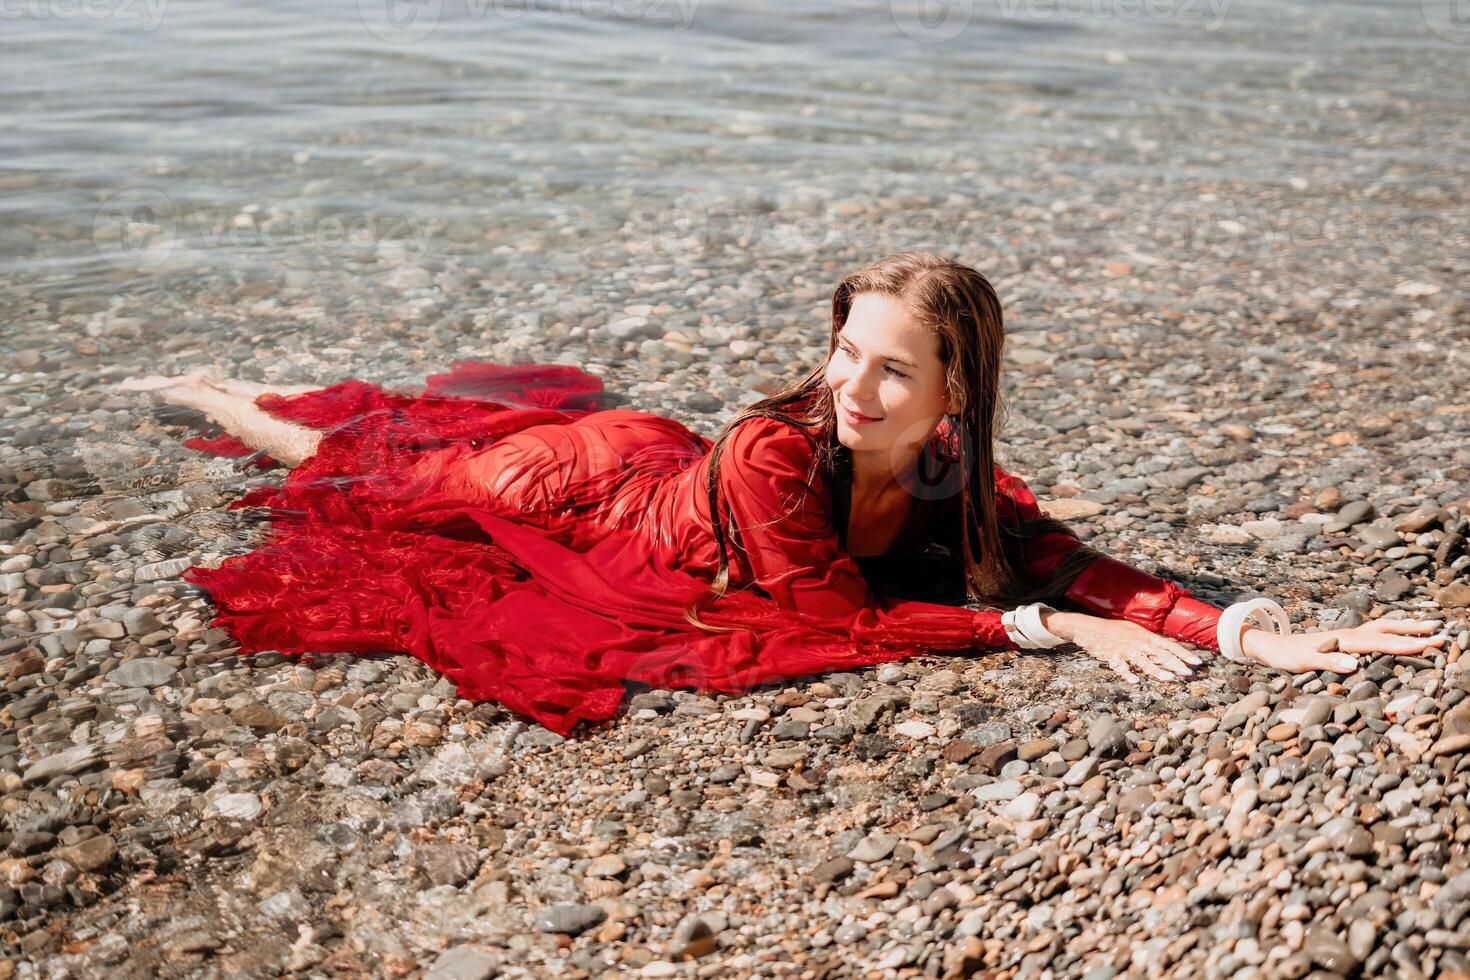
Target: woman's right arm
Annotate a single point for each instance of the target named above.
(1107, 587)
(1134, 621)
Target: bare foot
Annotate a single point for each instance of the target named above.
(158, 382)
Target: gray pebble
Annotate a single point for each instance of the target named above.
(568, 918)
(143, 672)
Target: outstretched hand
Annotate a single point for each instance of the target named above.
(1130, 649)
(1332, 649)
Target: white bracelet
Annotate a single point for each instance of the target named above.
(1013, 632)
(1029, 619)
(1262, 612)
(1023, 626)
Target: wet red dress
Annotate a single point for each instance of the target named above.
(540, 550)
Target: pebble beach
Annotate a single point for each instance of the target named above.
(1232, 259)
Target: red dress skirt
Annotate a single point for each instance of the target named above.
(540, 550)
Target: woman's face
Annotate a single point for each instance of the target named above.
(886, 367)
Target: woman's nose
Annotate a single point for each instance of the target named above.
(862, 386)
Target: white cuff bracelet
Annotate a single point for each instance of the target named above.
(1023, 626)
(1262, 612)
(1008, 620)
(1028, 618)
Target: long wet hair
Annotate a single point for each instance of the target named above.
(962, 309)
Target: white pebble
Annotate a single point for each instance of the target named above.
(236, 806)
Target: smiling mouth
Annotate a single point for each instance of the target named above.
(870, 418)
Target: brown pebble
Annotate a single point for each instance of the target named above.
(883, 889)
(802, 782)
(1283, 732)
(24, 668)
(1035, 749)
(1449, 745)
(1075, 749)
(959, 750)
(1093, 790)
(995, 756)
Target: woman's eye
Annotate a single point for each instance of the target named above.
(890, 369)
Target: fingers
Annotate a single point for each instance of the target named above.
(1145, 661)
(1315, 660)
(1178, 651)
(1387, 643)
(1120, 665)
(1131, 651)
(1157, 661)
(1172, 658)
(147, 383)
(1404, 627)
(1350, 643)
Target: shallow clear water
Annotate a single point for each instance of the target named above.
(145, 143)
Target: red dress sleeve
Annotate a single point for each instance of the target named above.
(789, 544)
(1109, 587)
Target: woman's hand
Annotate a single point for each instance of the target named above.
(1329, 649)
(1124, 646)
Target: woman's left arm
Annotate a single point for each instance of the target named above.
(1117, 590)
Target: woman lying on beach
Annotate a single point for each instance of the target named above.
(541, 550)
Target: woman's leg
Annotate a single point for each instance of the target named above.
(230, 404)
(251, 389)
